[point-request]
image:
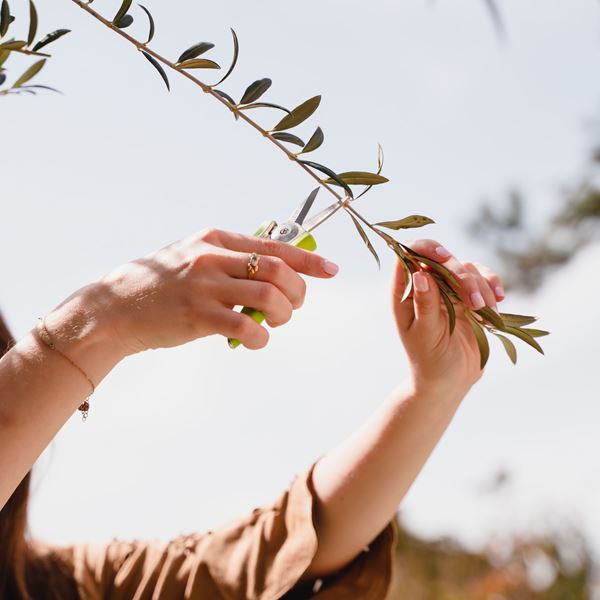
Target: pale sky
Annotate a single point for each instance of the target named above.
(180, 440)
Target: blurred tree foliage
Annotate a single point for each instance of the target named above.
(557, 568)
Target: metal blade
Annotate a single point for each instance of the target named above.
(303, 210)
(319, 218)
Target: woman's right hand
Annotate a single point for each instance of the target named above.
(188, 289)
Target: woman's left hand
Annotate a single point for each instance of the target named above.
(440, 362)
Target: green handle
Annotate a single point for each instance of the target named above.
(306, 242)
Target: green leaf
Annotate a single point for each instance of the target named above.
(199, 63)
(315, 141)
(492, 317)
(284, 136)
(517, 320)
(437, 267)
(195, 51)
(4, 54)
(41, 87)
(365, 239)
(535, 333)
(51, 37)
(124, 22)
(30, 73)
(226, 96)
(33, 23)
(328, 172)
(2, 78)
(380, 159)
(482, 341)
(407, 222)
(151, 24)
(13, 45)
(525, 337)
(451, 311)
(4, 18)
(159, 68)
(361, 178)
(509, 347)
(236, 52)
(125, 6)
(255, 90)
(407, 278)
(299, 114)
(264, 105)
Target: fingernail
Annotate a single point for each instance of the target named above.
(420, 282)
(477, 300)
(443, 252)
(499, 291)
(330, 268)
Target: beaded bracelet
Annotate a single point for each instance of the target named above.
(84, 407)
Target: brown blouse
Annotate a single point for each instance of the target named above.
(259, 557)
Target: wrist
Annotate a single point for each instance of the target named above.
(436, 390)
(80, 328)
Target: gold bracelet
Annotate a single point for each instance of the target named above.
(84, 407)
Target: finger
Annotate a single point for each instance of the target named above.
(430, 249)
(494, 281)
(485, 290)
(404, 311)
(265, 297)
(302, 261)
(271, 269)
(427, 304)
(237, 326)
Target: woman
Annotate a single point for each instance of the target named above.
(332, 532)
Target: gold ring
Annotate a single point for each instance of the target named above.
(252, 265)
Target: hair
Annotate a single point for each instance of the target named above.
(25, 573)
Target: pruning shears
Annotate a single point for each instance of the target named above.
(295, 231)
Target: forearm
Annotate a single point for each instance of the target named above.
(40, 389)
(360, 484)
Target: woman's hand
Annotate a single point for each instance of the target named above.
(187, 290)
(440, 362)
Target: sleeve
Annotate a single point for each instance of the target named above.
(259, 557)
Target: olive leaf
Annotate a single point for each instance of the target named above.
(380, 160)
(408, 281)
(314, 142)
(2, 78)
(437, 267)
(124, 22)
(299, 114)
(151, 24)
(30, 73)
(13, 45)
(195, 51)
(407, 222)
(535, 333)
(492, 317)
(509, 347)
(333, 176)
(264, 105)
(225, 95)
(496, 17)
(4, 54)
(199, 63)
(365, 239)
(51, 37)
(33, 23)
(159, 68)
(236, 51)
(284, 136)
(451, 311)
(525, 337)
(255, 90)
(125, 6)
(4, 18)
(517, 320)
(361, 178)
(482, 341)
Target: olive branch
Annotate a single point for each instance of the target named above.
(193, 58)
(26, 46)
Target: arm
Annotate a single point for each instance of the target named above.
(182, 292)
(360, 484)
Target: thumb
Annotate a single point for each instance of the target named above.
(427, 303)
